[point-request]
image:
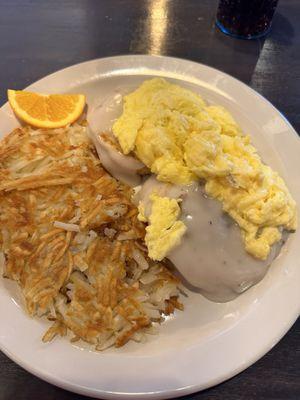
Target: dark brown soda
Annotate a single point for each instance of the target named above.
(245, 18)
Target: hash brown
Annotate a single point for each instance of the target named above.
(72, 241)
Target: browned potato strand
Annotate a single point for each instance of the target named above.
(72, 240)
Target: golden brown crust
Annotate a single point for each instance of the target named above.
(83, 275)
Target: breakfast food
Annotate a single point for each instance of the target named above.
(72, 241)
(181, 139)
(90, 240)
(233, 206)
(210, 255)
(46, 111)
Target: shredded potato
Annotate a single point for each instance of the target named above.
(72, 241)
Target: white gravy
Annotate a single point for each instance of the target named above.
(211, 256)
(100, 119)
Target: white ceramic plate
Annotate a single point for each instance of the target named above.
(207, 343)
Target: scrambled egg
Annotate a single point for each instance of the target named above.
(164, 230)
(181, 139)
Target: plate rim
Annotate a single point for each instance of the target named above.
(158, 56)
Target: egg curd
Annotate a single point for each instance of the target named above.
(164, 231)
(181, 139)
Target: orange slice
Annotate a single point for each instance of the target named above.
(46, 111)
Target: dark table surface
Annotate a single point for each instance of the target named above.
(38, 37)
